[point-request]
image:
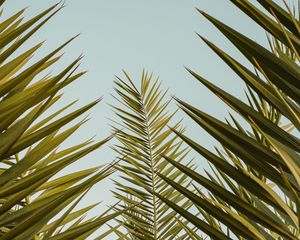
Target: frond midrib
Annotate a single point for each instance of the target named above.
(152, 169)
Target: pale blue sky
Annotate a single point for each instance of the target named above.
(156, 35)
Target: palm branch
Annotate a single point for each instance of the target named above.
(143, 135)
(34, 202)
(252, 191)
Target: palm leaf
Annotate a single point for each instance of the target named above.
(253, 189)
(35, 203)
(143, 137)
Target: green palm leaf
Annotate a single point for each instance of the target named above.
(34, 202)
(252, 191)
(144, 136)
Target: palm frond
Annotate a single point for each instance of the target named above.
(252, 191)
(34, 202)
(144, 137)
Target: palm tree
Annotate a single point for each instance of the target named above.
(254, 192)
(143, 135)
(34, 202)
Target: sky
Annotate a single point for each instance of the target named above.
(132, 35)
